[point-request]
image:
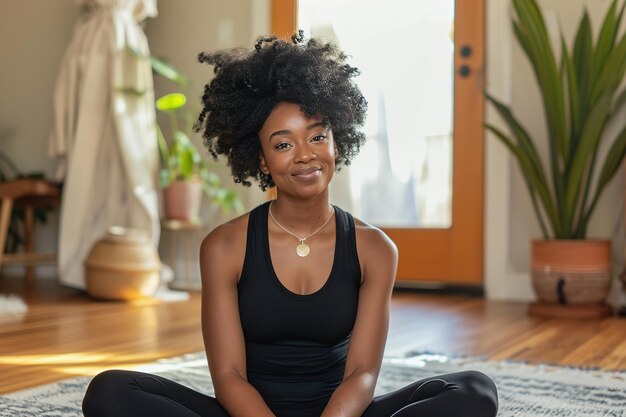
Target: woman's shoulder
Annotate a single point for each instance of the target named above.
(227, 238)
(378, 254)
(371, 238)
(223, 251)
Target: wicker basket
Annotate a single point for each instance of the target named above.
(123, 265)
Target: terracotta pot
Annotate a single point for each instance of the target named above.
(571, 272)
(182, 200)
(123, 265)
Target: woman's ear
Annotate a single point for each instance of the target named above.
(263, 164)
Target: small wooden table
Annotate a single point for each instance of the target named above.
(28, 193)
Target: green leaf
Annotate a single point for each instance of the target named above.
(583, 47)
(621, 14)
(168, 71)
(164, 177)
(210, 178)
(573, 95)
(606, 39)
(619, 101)
(171, 102)
(533, 29)
(612, 72)
(185, 163)
(183, 140)
(527, 145)
(528, 11)
(613, 161)
(592, 132)
(532, 177)
(583, 51)
(521, 38)
(523, 138)
(164, 152)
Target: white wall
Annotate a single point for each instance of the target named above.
(34, 36)
(509, 218)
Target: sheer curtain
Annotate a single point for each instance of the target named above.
(103, 139)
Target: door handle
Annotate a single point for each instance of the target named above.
(464, 71)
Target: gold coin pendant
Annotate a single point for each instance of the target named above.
(303, 250)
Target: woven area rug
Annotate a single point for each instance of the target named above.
(524, 390)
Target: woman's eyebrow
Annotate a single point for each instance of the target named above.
(287, 131)
(280, 133)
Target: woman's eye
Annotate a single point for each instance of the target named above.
(282, 146)
(318, 138)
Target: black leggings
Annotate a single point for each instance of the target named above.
(128, 393)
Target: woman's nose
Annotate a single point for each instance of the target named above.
(304, 153)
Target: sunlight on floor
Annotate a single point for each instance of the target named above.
(66, 358)
(82, 363)
(142, 302)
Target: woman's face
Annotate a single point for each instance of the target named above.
(298, 152)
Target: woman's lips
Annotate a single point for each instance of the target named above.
(307, 174)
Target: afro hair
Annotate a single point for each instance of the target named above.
(248, 84)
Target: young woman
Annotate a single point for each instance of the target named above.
(295, 293)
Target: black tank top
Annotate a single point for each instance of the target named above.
(296, 345)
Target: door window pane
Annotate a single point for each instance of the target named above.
(405, 50)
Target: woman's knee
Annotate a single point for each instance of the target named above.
(104, 392)
(481, 389)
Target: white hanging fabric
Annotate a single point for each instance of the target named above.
(103, 138)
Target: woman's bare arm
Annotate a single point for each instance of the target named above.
(221, 258)
(378, 256)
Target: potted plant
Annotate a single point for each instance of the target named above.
(580, 98)
(184, 174)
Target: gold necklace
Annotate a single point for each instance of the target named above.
(302, 249)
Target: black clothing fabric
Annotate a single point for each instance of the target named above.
(296, 350)
(135, 394)
(297, 345)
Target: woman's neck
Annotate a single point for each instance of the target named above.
(301, 216)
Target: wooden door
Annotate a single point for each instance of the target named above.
(451, 254)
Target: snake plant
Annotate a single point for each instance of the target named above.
(581, 96)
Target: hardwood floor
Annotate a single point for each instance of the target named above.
(65, 333)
